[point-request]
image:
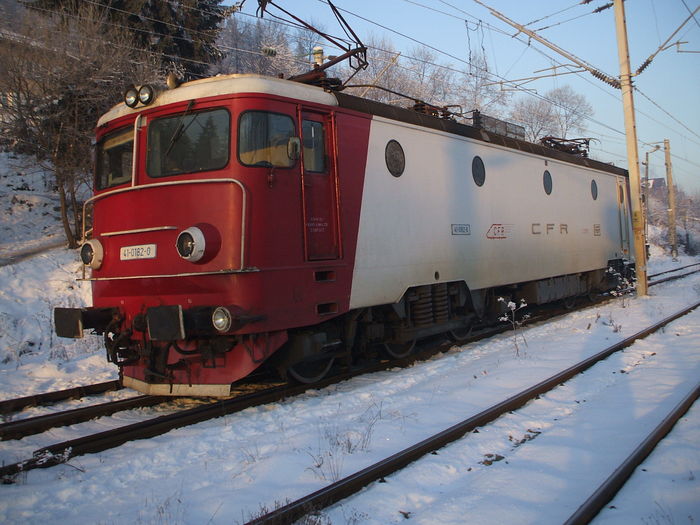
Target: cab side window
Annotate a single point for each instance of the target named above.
(314, 145)
(263, 138)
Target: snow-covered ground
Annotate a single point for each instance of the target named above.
(533, 466)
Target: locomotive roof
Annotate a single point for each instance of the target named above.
(251, 83)
(451, 126)
(226, 85)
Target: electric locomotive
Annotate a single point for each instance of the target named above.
(242, 219)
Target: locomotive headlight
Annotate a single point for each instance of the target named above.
(131, 97)
(191, 244)
(146, 94)
(221, 319)
(92, 253)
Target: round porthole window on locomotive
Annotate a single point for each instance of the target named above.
(594, 189)
(478, 171)
(395, 158)
(547, 182)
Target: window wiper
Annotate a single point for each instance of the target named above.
(180, 129)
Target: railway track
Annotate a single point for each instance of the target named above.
(34, 425)
(676, 270)
(672, 277)
(61, 452)
(48, 398)
(610, 487)
(352, 484)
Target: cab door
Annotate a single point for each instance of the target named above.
(319, 184)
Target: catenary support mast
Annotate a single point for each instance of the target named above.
(672, 238)
(632, 153)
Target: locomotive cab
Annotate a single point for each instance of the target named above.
(216, 227)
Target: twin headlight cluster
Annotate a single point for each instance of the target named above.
(191, 245)
(144, 94)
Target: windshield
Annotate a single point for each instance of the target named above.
(188, 142)
(114, 155)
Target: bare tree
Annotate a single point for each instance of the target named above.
(57, 75)
(384, 69)
(427, 80)
(536, 115)
(476, 89)
(570, 111)
(560, 112)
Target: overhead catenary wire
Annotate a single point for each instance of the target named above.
(487, 72)
(648, 61)
(557, 12)
(440, 51)
(666, 112)
(229, 48)
(595, 11)
(654, 103)
(691, 13)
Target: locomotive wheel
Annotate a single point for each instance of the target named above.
(307, 372)
(399, 350)
(460, 335)
(570, 302)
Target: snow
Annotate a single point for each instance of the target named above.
(535, 465)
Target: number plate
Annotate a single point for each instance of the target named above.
(142, 251)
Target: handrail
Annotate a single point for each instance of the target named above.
(238, 183)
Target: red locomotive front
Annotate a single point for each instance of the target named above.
(216, 227)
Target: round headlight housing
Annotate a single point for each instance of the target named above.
(131, 97)
(221, 319)
(92, 253)
(146, 94)
(191, 244)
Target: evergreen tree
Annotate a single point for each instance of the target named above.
(182, 32)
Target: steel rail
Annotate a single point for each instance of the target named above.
(675, 270)
(61, 452)
(34, 425)
(611, 486)
(47, 398)
(355, 482)
(672, 278)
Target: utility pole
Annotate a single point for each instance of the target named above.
(625, 84)
(632, 153)
(647, 202)
(671, 201)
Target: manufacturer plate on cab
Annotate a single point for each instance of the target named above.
(141, 251)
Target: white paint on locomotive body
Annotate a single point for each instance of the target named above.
(225, 85)
(406, 223)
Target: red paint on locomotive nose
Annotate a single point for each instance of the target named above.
(267, 246)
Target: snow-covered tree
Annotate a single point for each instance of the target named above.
(570, 110)
(536, 115)
(183, 33)
(561, 112)
(57, 75)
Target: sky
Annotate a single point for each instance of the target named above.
(666, 108)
